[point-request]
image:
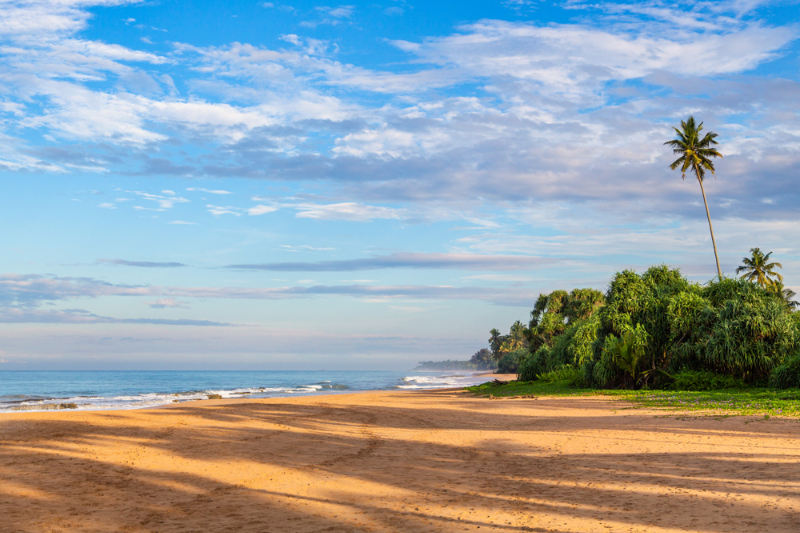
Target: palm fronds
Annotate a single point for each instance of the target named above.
(758, 270)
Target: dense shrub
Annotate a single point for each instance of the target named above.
(786, 375)
(533, 364)
(554, 313)
(567, 374)
(563, 330)
(701, 380)
(741, 330)
(730, 328)
(575, 345)
(509, 363)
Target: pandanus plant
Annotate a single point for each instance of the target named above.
(628, 352)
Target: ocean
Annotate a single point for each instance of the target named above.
(96, 390)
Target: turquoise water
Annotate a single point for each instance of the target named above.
(92, 390)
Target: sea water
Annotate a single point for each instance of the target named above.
(94, 390)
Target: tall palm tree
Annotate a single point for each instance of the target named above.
(695, 157)
(758, 270)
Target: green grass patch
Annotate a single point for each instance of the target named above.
(747, 402)
(528, 388)
(768, 402)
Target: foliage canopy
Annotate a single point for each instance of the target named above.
(650, 327)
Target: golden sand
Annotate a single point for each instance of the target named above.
(406, 462)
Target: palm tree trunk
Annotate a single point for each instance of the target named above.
(711, 229)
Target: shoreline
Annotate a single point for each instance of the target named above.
(174, 398)
(434, 461)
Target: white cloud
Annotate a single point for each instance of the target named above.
(573, 61)
(332, 16)
(209, 191)
(164, 202)
(337, 12)
(261, 210)
(167, 303)
(348, 211)
(539, 94)
(218, 210)
(41, 20)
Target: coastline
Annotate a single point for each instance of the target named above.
(435, 460)
(121, 390)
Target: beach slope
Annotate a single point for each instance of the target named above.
(410, 462)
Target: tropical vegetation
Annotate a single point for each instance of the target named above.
(757, 269)
(480, 360)
(657, 330)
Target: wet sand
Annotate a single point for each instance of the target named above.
(405, 462)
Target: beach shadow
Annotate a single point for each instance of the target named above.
(325, 465)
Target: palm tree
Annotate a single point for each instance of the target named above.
(757, 270)
(783, 293)
(518, 336)
(495, 340)
(695, 153)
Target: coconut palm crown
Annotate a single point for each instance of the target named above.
(695, 156)
(757, 269)
(784, 293)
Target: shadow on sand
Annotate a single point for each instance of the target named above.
(439, 462)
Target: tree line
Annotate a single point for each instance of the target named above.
(648, 327)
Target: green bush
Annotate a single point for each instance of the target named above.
(717, 335)
(533, 364)
(694, 380)
(556, 312)
(786, 375)
(604, 370)
(509, 363)
(634, 300)
(730, 327)
(741, 331)
(567, 374)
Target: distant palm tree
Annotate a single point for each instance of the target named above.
(495, 340)
(758, 270)
(784, 294)
(518, 337)
(695, 153)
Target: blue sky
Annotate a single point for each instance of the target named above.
(302, 185)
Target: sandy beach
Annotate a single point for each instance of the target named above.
(384, 461)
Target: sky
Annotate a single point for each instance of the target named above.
(315, 186)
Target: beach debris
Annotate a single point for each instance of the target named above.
(214, 397)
